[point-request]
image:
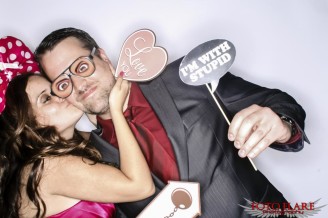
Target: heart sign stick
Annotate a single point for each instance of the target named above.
(140, 59)
(205, 64)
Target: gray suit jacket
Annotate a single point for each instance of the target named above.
(198, 133)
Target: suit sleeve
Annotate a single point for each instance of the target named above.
(237, 94)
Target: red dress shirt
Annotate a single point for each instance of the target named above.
(149, 133)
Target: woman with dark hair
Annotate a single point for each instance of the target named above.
(47, 169)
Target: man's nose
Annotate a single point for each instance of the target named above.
(79, 83)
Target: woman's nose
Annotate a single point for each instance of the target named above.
(59, 99)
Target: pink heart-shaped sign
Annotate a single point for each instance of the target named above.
(140, 59)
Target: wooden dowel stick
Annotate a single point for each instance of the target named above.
(226, 118)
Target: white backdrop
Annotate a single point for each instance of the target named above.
(280, 44)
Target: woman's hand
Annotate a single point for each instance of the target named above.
(118, 95)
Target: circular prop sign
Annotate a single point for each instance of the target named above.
(207, 62)
(181, 198)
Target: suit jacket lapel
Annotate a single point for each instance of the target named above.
(158, 96)
(108, 152)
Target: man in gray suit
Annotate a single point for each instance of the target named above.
(179, 128)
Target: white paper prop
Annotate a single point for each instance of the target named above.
(207, 63)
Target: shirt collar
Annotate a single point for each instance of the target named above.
(136, 99)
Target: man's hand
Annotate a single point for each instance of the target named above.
(254, 128)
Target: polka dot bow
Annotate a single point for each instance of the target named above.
(15, 59)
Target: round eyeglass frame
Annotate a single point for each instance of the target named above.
(71, 72)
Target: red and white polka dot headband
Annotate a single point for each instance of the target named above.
(15, 59)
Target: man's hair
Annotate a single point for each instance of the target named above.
(55, 37)
(24, 143)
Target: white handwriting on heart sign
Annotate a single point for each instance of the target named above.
(134, 61)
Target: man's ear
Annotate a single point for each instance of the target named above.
(104, 57)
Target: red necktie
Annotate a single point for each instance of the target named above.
(158, 159)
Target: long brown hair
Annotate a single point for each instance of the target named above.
(23, 142)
